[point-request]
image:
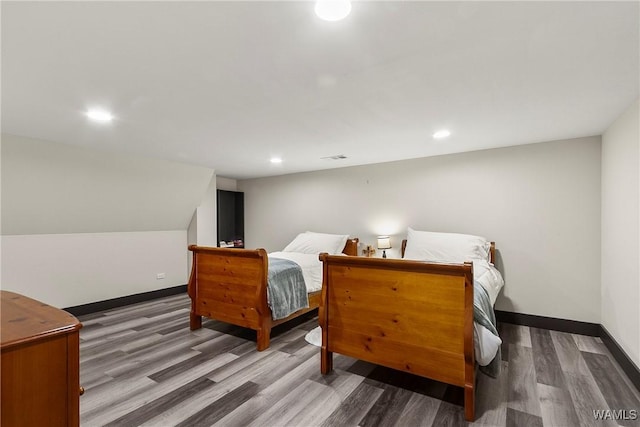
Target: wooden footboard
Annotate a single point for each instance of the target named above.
(230, 285)
(408, 315)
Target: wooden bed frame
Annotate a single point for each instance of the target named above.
(413, 316)
(230, 285)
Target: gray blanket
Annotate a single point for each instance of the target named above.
(484, 315)
(286, 290)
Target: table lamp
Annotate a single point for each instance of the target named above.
(384, 243)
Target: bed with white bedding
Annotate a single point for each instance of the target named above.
(232, 285)
(422, 314)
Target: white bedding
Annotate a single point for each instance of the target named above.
(310, 265)
(489, 277)
(485, 343)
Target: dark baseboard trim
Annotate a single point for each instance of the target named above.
(555, 324)
(627, 365)
(575, 327)
(81, 310)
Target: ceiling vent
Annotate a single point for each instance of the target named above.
(336, 157)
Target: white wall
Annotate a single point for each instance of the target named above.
(66, 270)
(539, 202)
(228, 184)
(81, 226)
(620, 231)
(192, 238)
(203, 229)
(207, 230)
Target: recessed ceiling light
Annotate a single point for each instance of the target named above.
(332, 10)
(100, 116)
(276, 160)
(441, 134)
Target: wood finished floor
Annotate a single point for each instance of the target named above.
(141, 365)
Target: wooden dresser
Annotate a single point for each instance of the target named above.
(40, 364)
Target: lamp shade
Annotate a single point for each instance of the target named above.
(384, 242)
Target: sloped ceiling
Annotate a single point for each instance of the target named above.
(51, 188)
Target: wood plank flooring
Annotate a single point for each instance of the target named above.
(141, 365)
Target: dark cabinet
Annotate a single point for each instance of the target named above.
(230, 218)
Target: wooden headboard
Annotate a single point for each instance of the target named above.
(351, 247)
(492, 251)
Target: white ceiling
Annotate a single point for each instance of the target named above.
(230, 84)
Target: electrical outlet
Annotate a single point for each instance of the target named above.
(160, 276)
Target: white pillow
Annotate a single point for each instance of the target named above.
(445, 247)
(315, 243)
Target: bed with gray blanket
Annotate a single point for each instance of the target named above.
(238, 286)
